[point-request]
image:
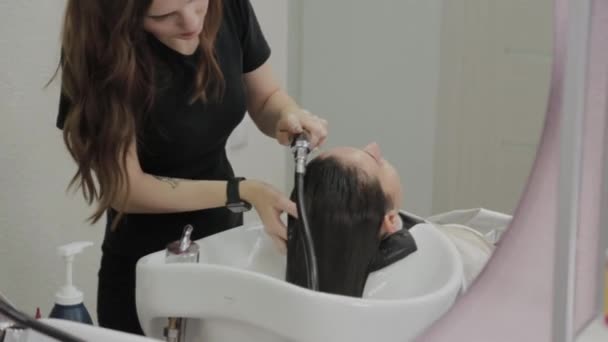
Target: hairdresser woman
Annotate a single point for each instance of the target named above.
(151, 90)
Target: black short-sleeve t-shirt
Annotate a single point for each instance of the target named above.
(184, 140)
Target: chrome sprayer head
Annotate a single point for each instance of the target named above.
(300, 148)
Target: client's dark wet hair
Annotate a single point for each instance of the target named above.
(345, 207)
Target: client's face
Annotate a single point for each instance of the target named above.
(370, 159)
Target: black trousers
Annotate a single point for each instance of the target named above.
(116, 294)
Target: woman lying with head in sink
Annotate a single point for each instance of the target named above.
(352, 197)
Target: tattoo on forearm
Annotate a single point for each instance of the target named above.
(171, 181)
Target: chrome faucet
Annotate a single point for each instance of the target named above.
(180, 251)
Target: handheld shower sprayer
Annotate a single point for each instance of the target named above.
(301, 148)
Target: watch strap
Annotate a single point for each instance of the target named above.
(232, 190)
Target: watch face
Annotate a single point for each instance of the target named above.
(239, 207)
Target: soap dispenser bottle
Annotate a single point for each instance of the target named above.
(69, 300)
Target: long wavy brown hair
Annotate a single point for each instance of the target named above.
(107, 74)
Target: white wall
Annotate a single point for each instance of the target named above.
(36, 215)
(495, 70)
(371, 68)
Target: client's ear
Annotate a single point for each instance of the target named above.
(391, 223)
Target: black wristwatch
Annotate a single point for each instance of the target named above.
(234, 201)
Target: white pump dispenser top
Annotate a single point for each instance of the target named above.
(69, 294)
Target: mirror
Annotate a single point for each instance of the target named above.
(455, 92)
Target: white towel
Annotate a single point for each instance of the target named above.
(491, 224)
(475, 233)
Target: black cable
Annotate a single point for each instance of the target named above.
(309, 247)
(28, 322)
